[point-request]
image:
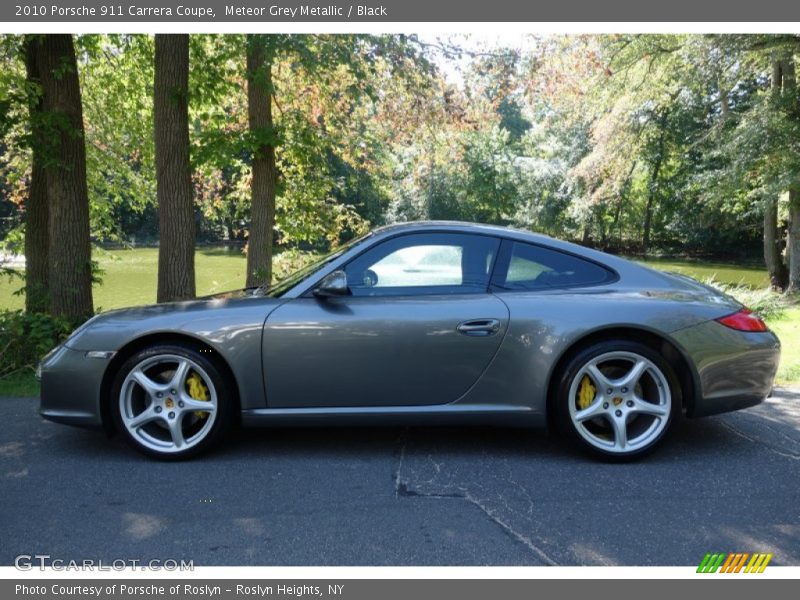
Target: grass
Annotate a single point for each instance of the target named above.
(787, 327)
(129, 278)
(746, 275)
(20, 384)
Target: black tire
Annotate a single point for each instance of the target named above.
(604, 417)
(218, 388)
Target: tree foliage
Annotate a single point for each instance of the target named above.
(631, 143)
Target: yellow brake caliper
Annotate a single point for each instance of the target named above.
(586, 393)
(198, 391)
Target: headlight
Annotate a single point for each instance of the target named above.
(49, 358)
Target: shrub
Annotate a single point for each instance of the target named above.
(289, 261)
(26, 337)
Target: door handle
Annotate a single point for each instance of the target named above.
(479, 327)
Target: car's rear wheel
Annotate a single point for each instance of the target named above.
(617, 399)
(171, 402)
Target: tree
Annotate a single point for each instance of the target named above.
(176, 280)
(776, 268)
(37, 210)
(659, 142)
(69, 253)
(789, 85)
(762, 146)
(658, 159)
(117, 84)
(323, 139)
(679, 155)
(260, 57)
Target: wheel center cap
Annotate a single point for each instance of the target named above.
(169, 403)
(617, 400)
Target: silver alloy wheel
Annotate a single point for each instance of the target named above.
(631, 405)
(156, 407)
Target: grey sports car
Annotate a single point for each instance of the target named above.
(422, 323)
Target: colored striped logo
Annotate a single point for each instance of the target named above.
(734, 562)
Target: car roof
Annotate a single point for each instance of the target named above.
(465, 227)
(495, 230)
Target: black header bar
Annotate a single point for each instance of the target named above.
(388, 11)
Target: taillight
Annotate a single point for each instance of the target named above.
(744, 320)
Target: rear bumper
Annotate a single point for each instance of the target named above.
(735, 369)
(70, 388)
(723, 404)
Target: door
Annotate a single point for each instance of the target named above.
(419, 328)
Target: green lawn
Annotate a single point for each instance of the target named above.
(129, 278)
(19, 384)
(787, 327)
(749, 275)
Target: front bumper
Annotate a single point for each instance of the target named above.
(735, 369)
(70, 388)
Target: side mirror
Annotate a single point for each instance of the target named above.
(333, 284)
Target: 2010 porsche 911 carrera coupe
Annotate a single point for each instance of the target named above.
(422, 323)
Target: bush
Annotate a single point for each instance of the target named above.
(289, 261)
(26, 337)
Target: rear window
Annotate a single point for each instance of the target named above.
(533, 267)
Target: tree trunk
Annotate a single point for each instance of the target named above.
(772, 248)
(653, 186)
(793, 239)
(176, 223)
(724, 102)
(586, 236)
(648, 220)
(37, 295)
(69, 251)
(777, 78)
(787, 72)
(621, 199)
(781, 277)
(793, 245)
(648, 209)
(260, 56)
(431, 181)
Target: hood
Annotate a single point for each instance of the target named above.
(109, 330)
(218, 300)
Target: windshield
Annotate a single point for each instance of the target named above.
(283, 286)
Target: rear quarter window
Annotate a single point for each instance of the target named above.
(532, 267)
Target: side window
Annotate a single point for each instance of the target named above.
(533, 267)
(425, 263)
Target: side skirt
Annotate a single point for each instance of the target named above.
(448, 414)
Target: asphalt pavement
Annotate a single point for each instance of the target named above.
(404, 496)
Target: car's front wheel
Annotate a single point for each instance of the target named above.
(617, 399)
(171, 402)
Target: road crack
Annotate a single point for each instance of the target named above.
(403, 439)
(435, 490)
(509, 530)
(755, 440)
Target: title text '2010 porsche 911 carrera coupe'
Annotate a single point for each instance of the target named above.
(422, 323)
